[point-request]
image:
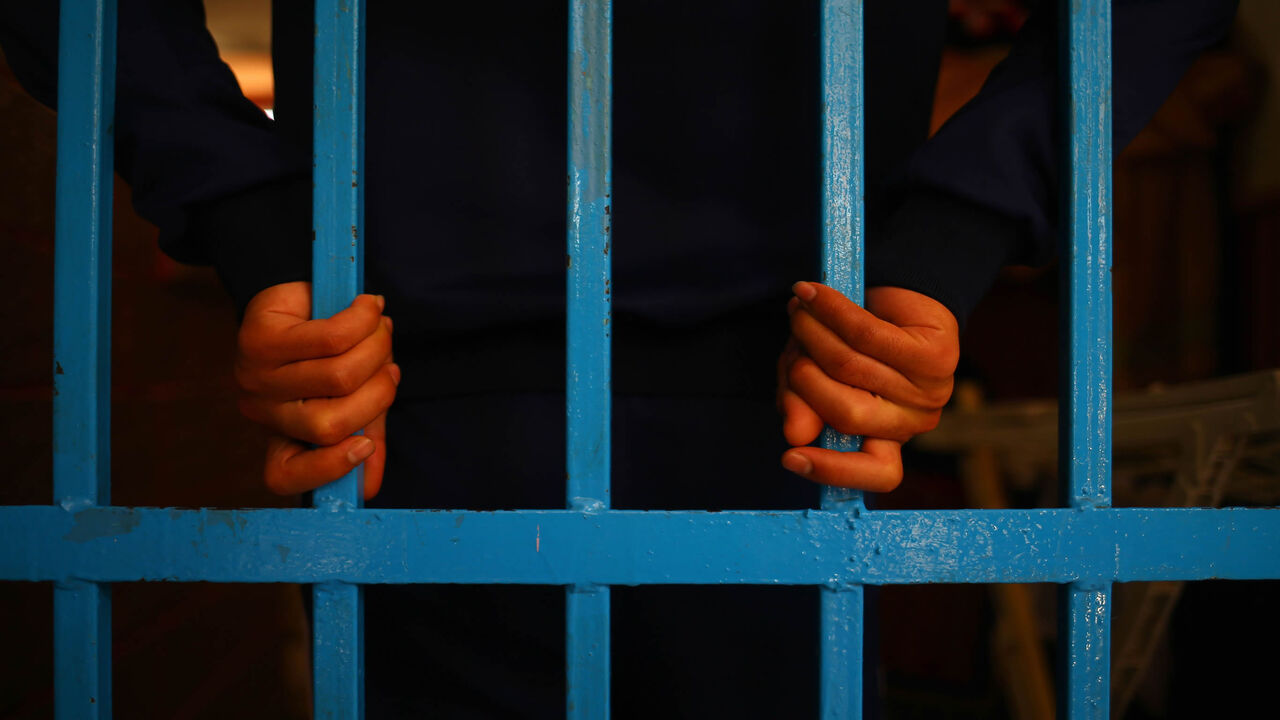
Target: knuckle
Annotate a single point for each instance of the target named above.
(331, 342)
(862, 335)
(937, 396)
(802, 370)
(384, 343)
(892, 478)
(848, 366)
(325, 429)
(342, 380)
(848, 419)
(273, 477)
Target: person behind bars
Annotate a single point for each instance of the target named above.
(716, 217)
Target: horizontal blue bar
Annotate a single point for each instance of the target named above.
(568, 547)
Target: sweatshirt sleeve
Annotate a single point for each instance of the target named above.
(206, 166)
(983, 192)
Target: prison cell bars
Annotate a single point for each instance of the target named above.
(1085, 547)
(82, 338)
(337, 277)
(587, 337)
(841, 607)
(1084, 420)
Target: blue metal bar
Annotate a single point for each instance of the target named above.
(338, 649)
(1085, 663)
(1085, 419)
(337, 276)
(588, 645)
(840, 684)
(588, 278)
(82, 650)
(82, 338)
(841, 606)
(624, 547)
(588, 331)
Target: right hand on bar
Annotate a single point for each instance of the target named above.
(883, 372)
(314, 383)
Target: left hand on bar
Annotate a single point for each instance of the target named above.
(883, 372)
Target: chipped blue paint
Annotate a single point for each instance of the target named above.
(588, 276)
(1085, 416)
(89, 525)
(841, 605)
(337, 276)
(1084, 676)
(82, 342)
(565, 547)
(588, 330)
(338, 195)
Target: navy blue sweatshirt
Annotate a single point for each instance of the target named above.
(715, 168)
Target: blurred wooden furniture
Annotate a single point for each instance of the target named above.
(1204, 444)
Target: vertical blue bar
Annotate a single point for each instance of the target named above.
(587, 386)
(1085, 422)
(842, 242)
(587, 646)
(337, 275)
(82, 338)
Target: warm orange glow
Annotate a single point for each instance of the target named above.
(253, 72)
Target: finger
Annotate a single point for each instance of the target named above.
(326, 421)
(324, 377)
(801, 425)
(905, 348)
(843, 363)
(877, 467)
(292, 467)
(855, 411)
(376, 463)
(275, 336)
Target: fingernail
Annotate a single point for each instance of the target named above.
(360, 450)
(805, 291)
(797, 463)
(792, 305)
(394, 369)
(382, 302)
